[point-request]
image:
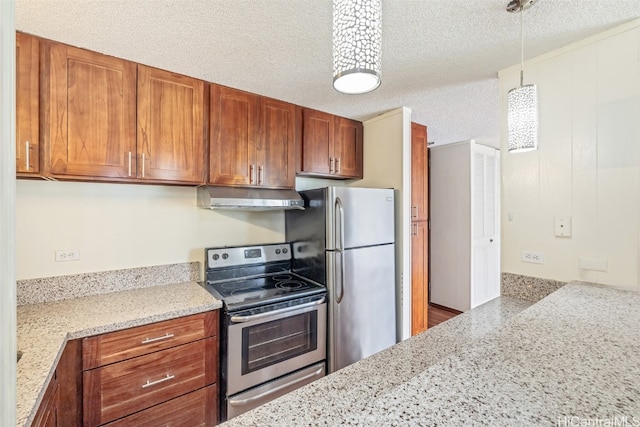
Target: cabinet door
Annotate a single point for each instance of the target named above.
(419, 173)
(347, 148)
(419, 277)
(317, 141)
(276, 147)
(170, 126)
(90, 116)
(27, 104)
(48, 414)
(234, 117)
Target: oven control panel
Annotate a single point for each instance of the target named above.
(247, 255)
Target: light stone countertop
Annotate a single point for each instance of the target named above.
(43, 329)
(572, 358)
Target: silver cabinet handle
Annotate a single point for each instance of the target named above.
(260, 175)
(161, 380)
(337, 164)
(417, 211)
(164, 337)
(143, 165)
(129, 163)
(242, 402)
(250, 174)
(340, 208)
(243, 319)
(330, 164)
(27, 160)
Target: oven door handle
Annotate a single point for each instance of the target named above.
(241, 402)
(243, 319)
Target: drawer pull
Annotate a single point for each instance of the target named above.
(161, 380)
(164, 337)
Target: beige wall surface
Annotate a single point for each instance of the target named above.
(587, 166)
(116, 226)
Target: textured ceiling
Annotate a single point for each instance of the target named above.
(440, 57)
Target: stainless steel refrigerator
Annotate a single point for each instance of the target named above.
(345, 239)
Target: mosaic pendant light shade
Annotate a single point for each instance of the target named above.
(357, 35)
(522, 102)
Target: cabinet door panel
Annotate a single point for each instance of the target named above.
(90, 119)
(196, 409)
(347, 148)
(317, 141)
(276, 150)
(419, 173)
(234, 115)
(170, 126)
(120, 389)
(27, 104)
(419, 277)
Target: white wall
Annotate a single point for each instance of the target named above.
(587, 165)
(387, 164)
(118, 226)
(7, 215)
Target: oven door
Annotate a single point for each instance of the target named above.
(268, 345)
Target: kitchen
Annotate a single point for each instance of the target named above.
(81, 213)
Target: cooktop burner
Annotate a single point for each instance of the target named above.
(246, 293)
(248, 277)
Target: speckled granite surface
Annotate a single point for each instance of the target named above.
(43, 329)
(331, 400)
(47, 289)
(575, 353)
(527, 287)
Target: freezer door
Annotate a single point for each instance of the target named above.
(363, 322)
(367, 215)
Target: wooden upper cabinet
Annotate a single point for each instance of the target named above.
(331, 146)
(170, 144)
(252, 140)
(233, 132)
(347, 149)
(419, 173)
(317, 142)
(275, 152)
(27, 104)
(90, 113)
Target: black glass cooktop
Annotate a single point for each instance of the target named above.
(247, 293)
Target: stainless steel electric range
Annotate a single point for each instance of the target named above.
(273, 336)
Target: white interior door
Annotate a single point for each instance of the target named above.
(485, 225)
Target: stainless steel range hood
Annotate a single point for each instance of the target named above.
(256, 199)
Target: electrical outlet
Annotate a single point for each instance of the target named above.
(533, 257)
(67, 255)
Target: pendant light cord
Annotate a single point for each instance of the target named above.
(521, 46)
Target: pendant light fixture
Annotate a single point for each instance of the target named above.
(357, 34)
(522, 102)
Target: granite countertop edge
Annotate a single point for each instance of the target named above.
(43, 329)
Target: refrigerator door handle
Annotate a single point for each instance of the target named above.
(340, 247)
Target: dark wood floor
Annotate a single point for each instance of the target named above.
(439, 314)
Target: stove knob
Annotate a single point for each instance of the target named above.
(285, 250)
(225, 255)
(277, 251)
(215, 257)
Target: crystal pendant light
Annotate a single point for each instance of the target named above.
(357, 34)
(522, 102)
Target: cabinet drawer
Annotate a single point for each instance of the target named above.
(114, 347)
(196, 409)
(120, 389)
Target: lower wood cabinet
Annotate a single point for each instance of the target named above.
(161, 374)
(196, 409)
(61, 405)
